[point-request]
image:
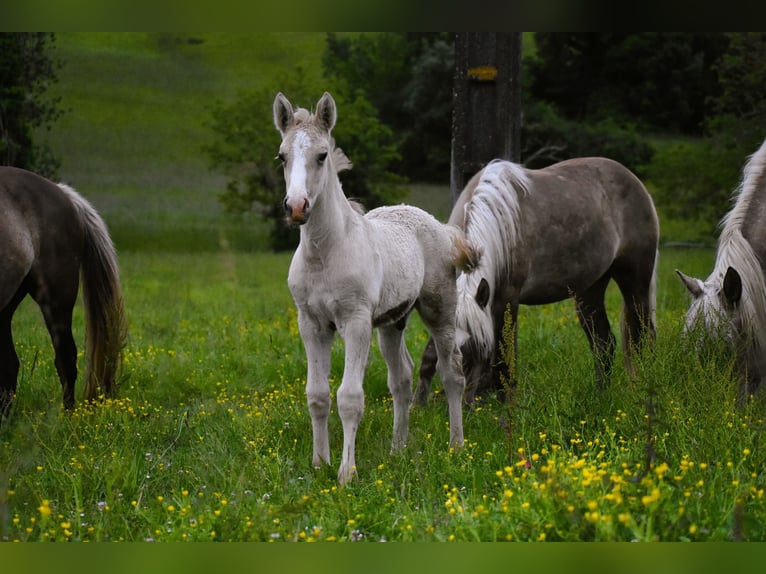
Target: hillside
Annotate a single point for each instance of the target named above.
(137, 105)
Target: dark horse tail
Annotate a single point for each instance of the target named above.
(105, 320)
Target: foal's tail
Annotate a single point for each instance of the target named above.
(465, 255)
(105, 320)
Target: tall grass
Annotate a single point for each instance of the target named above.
(210, 437)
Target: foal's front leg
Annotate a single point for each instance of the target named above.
(357, 335)
(318, 344)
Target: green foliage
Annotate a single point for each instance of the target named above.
(27, 70)
(547, 137)
(694, 180)
(408, 79)
(657, 79)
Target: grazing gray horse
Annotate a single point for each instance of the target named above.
(731, 303)
(49, 237)
(353, 272)
(547, 235)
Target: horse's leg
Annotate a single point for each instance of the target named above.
(56, 294)
(438, 316)
(593, 318)
(318, 345)
(451, 373)
(357, 335)
(9, 363)
(58, 320)
(400, 369)
(636, 280)
(427, 370)
(11, 295)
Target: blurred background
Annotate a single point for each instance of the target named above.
(171, 136)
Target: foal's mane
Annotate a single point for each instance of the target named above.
(492, 216)
(735, 251)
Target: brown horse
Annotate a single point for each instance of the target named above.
(49, 236)
(548, 235)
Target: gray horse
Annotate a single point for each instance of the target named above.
(731, 303)
(547, 235)
(49, 237)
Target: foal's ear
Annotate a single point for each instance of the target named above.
(283, 113)
(732, 288)
(482, 293)
(693, 284)
(326, 112)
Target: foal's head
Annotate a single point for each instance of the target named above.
(307, 152)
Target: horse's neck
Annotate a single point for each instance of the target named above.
(328, 222)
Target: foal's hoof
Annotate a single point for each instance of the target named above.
(346, 475)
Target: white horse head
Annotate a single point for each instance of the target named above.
(308, 153)
(730, 305)
(715, 305)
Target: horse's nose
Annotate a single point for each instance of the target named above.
(297, 210)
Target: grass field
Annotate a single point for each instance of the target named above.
(210, 437)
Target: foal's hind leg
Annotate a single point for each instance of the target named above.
(591, 312)
(427, 371)
(400, 369)
(439, 320)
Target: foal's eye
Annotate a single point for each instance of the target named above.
(321, 157)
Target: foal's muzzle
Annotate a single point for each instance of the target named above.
(297, 211)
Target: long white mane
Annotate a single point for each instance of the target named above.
(735, 251)
(492, 222)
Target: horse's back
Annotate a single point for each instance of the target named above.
(411, 227)
(38, 222)
(41, 203)
(601, 190)
(419, 249)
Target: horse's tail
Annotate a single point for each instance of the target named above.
(105, 320)
(465, 255)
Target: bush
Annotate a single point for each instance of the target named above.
(547, 138)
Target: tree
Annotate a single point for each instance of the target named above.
(26, 72)
(696, 178)
(407, 77)
(656, 79)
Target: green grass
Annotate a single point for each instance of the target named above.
(210, 437)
